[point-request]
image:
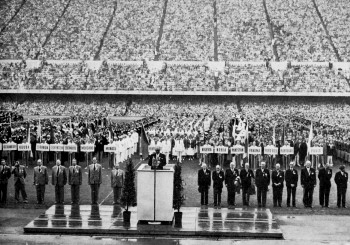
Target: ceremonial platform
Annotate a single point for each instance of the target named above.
(196, 222)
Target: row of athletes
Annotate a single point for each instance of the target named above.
(246, 180)
(59, 177)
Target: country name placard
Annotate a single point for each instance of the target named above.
(316, 150)
(24, 147)
(237, 149)
(206, 149)
(271, 150)
(70, 148)
(9, 147)
(56, 147)
(87, 148)
(254, 150)
(221, 149)
(110, 148)
(286, 150)
(42, 147)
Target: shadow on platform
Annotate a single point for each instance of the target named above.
(196, 222)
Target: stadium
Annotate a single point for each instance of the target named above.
(266, 75)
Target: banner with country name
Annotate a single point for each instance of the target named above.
(70, 148)
(56, 147)
(221, 149)
(254, 150)
(286, 150)
(237, 149)
(24, 147)
(271, 150)
(316, 150)
(110, 148)
(87, 148)
(206, 149)
(42, 147)
(9, 147)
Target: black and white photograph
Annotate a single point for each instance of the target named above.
(174, 122)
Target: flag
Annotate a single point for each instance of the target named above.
(110, 133)
(52, 135)
(310, 138)
(39, 129)
(274, 135)
(247, 140)
(28, 131)
(144, 143)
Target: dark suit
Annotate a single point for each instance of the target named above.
(19, 174)
(277, 186)
(204, 182)
(59, 180)
(325, 176)
(74, 180)
(41, 178)
(246, 180)
(161, 159)
(94, 180)
(5, 174)
(262, 181)
(302, 152)
(308, 180)
(342, 184)
(117, 183)
(291, 177)
(218, 179)
(230, 178)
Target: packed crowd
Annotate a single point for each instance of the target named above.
(298, 31)
(134, 31)
(336, 17)
(188, 31)
(180, 77)
(242, 31)
(74, 30)
(24, 36)
(215, 121)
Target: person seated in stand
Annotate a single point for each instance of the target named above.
(157, 160)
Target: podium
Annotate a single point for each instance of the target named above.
(155, 193)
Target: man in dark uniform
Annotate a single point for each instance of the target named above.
(230, 178)
(262, 181)
(277, 185)
(324, 176)
(204, 182)
(341, 179)
(308, 182)
(59, 180)
(246, 176)
(94, 180)
(157, 160)
(218, 179)
(291, 177)
(19, 174)
(5, 174)
(75, 180)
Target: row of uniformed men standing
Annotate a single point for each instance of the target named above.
(59, 179)
(262, 180)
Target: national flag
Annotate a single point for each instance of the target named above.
(39, 129)
(310, 139)
(28, 131)
(144, 142)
